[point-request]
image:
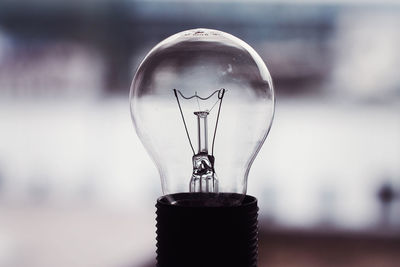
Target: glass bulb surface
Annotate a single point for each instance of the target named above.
(202, 102)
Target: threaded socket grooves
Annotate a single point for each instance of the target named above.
(202, 236)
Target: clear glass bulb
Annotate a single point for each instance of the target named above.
(202, 102)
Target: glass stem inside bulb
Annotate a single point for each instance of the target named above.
(202, 131)
(203, 177)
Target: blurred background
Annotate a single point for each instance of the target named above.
(78, 189)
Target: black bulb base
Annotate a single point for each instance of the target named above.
(196, 235)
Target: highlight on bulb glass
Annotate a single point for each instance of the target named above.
(202, 102)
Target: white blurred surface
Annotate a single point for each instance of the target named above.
(74, 236)
(88, 152)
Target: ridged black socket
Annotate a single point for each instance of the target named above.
(206, 236)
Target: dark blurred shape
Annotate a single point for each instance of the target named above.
(386, 195)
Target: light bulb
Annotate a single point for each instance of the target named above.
(202, 102)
